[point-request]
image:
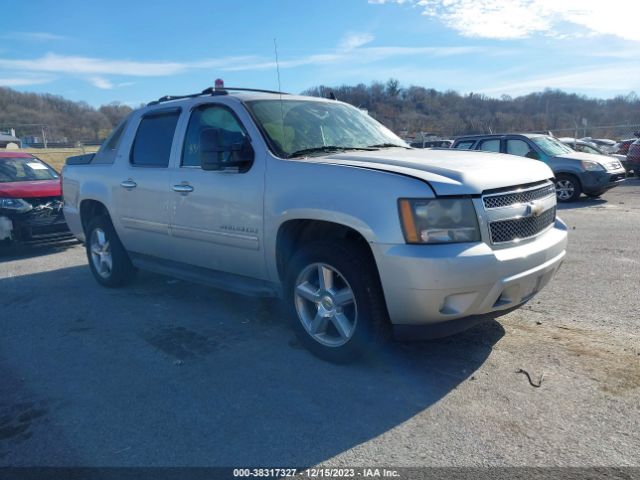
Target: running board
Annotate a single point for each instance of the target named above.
(213, 278)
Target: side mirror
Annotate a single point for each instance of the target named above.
(220, 149)
(533, 155)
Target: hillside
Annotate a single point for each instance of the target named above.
(418, 109)
(63, 119)
(405, 110)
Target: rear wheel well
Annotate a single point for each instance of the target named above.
(90, 209)
(294, 234)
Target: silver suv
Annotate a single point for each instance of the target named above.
(314, 201)
(575, 172)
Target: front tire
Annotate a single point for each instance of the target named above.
(568, 188)
(336, 301)
(107, 257)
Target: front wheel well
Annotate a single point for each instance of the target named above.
(294, 234)
(568, 174)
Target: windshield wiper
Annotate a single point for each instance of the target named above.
(386, 145)
(326, 149)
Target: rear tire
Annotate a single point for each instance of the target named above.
(335, 299)
(108, 260)
(568, 188)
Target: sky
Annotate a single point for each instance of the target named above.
(137, 50)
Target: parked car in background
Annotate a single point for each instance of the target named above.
(633, 157)
(605, 144)
(30, 199)
(432, 144)
(575, 172)
(355, 230)
(587, 147)
(622, 147)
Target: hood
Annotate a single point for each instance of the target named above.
(449, 172)
(35, 188)
(604, 160)
(590, 157)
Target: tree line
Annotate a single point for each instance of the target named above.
(417, 109)
(62, 120)
(406, 110)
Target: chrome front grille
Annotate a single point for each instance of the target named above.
(499, 200)
(521, 228)
(520, 213)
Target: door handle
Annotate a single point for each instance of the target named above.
(182, 188)
(128, 184)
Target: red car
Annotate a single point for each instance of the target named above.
(30, 199)
(633, 156)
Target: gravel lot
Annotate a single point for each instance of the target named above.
(165, 372)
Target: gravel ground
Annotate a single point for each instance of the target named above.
(165, 372)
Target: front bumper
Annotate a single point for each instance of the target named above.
(430, 285)
(40, 225)
(599, 182)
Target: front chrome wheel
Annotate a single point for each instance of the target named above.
(565, 189)
(101, 253)
(325, 304)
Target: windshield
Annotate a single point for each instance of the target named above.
(300, 127)
(587, 149)
(24, 169)
(551, 146)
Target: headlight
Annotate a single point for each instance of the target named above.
(447, 220)
(592, 166)
(17, 205)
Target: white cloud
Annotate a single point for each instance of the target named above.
(23, 81)
(99, 66)
(32, 36)
(355, 40)
(362, 55)
(352, 51)
(590, 78)
(508, 19)
(101, 83)
(70, 64)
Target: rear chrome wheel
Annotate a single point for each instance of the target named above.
(101, 253)
(326, 305)
(108, 260)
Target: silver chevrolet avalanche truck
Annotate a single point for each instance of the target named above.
(313, 201)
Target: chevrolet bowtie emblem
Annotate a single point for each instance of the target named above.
(534, 209)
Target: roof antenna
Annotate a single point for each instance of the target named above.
(275, 48)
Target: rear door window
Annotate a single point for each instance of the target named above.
(152, 145)
(492, 145)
